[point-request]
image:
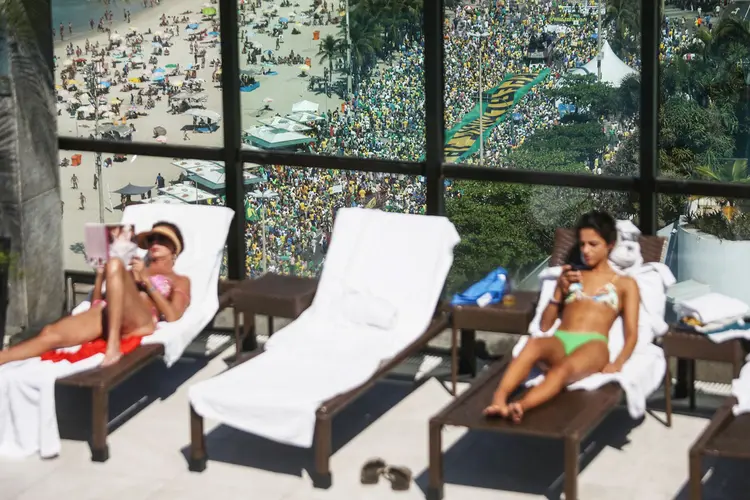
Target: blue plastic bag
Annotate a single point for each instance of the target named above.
(490, 290)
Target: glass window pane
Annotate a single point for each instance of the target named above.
(705, 94)
(343, 77)
(290, 211)
(712, 241)
(90, 194)
(126, 71)
(513, 226)
(546, 100)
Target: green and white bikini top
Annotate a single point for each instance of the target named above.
(605, 295)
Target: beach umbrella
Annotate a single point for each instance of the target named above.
(159, 131)
(267, 100)
(171, 66)
(177, 83)
(189, 66)
(134, 80)
(158, 78)
(192, 26)
(268, 65)
(209, 11)
(269, 52)
(189, 31)
(158, 45)
(304, 68)
(72, 82)
(159, 70)
(68, 62)
(162, 139)
(213, 33)
(283, 19)
(116, 100)
(80, 60)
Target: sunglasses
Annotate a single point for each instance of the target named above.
(159, 239)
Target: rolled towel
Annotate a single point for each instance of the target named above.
(627, 251)
(712, 307)
(365, 309)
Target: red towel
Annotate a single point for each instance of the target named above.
(98, 346)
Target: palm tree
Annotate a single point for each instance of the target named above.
(727, 171)
(330, 49)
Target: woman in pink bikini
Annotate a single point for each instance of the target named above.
(587, 301)
(134, 302)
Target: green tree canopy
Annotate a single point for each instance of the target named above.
(591, 98)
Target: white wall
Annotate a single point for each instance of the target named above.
(722, 264)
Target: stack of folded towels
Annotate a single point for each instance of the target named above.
(718, 316)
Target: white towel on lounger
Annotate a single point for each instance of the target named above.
(741, 391)
(401, 261)
(28, 418)
(643, 373)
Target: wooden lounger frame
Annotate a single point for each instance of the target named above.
(323, 444)
(726, 436)
(552, 420)
(101, 381)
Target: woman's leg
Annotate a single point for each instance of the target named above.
(122, 295)
(588, 359)
(548, 349)
(67, 332)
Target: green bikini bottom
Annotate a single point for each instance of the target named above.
(573, 340)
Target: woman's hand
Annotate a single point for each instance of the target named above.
(138, 268)
(567, 277)
(612, 367)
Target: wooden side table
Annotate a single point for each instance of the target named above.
(271, 295)
(691, 347)
(497, 318)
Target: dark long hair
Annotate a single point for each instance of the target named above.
(601, 222)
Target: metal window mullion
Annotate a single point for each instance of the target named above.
(649, 115)
(434, 105)
(235, 188)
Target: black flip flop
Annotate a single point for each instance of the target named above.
(372, 470)
(400, 477)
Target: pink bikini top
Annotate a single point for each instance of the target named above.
(162, 284)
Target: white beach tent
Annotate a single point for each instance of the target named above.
(614, 70)
(309, 106)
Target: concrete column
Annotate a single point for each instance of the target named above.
(30, 208)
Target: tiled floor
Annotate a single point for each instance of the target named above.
(623, 459)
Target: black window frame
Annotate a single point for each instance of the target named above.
(648, 185)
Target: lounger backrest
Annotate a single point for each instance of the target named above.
(653, 248)
(399, 258)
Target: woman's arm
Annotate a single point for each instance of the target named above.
(97, 294)
(553, 310)
(174, 309)
(630, 308)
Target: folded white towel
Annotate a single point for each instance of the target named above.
(712, 307)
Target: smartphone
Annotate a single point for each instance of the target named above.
(579, 267)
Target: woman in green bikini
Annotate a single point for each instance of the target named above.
(587, 303)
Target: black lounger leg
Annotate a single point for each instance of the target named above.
(323, 449)
(572, 449)
(198, 456)
(695, 485)
(99, 422)
(435, 487)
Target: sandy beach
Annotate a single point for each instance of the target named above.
(285, 88)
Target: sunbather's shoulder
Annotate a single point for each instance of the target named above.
(627, 284)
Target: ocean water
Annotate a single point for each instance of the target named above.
(78, 12)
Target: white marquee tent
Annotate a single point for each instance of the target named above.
(613, 69)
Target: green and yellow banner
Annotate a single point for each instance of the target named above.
(463, 140)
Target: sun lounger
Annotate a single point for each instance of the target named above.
(29, 424)
(726, 436)
(374, 306)
(570, 417)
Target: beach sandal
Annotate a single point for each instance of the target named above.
(372, 470)
(399, 476)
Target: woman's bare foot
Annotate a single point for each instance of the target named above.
(498, 407)
(111, 358)
(515, 412)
